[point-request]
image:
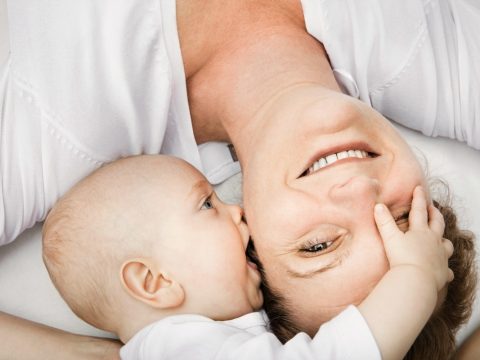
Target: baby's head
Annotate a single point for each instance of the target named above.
(146, 237)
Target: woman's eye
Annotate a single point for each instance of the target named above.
(402, 217)
(318, 247)
(402, 221)
(207, 204)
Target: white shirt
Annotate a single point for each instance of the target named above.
(192, 337)
(415, 61)
(88, 82)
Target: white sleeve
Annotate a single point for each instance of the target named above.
(94, 68)
(86, 82)
(346, 336)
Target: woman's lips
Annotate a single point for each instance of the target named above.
(336, 157)
(328, 157)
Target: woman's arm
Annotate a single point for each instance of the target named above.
(24, 340)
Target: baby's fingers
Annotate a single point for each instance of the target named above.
(448, 246)
(436, 221)
(451, 275)
(386, 223)
(418, 217)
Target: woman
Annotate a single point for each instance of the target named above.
(83, 89)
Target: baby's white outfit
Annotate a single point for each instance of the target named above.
(195, 337)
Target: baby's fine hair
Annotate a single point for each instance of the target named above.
(91, 231)
(73, 264)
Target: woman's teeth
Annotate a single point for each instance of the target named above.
(330, 159)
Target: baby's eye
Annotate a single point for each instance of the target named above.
(207, 204)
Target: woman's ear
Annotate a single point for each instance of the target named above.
(154, 288)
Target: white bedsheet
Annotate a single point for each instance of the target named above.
(26, 290)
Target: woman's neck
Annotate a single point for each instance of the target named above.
(263, 54)
(207, 27)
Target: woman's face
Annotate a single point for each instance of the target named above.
(311, 218)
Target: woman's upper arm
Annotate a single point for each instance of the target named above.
(23, 340)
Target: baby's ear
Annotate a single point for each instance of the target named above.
(155, 288)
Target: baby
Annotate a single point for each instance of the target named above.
(144, 248)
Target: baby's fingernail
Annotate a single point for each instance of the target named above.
(379, 208)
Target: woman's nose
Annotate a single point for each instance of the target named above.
(357, 191)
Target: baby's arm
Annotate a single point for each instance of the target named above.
(402, 302)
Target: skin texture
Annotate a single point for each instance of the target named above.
(46, 342)
(198, 231)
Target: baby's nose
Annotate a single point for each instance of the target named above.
(236, 213)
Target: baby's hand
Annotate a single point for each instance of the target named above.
(422, 245)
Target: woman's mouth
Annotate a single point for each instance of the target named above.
(331, 158)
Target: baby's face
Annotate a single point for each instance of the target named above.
(203, 247)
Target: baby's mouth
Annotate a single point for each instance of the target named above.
(331, 158)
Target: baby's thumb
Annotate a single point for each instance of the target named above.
(386, 225)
